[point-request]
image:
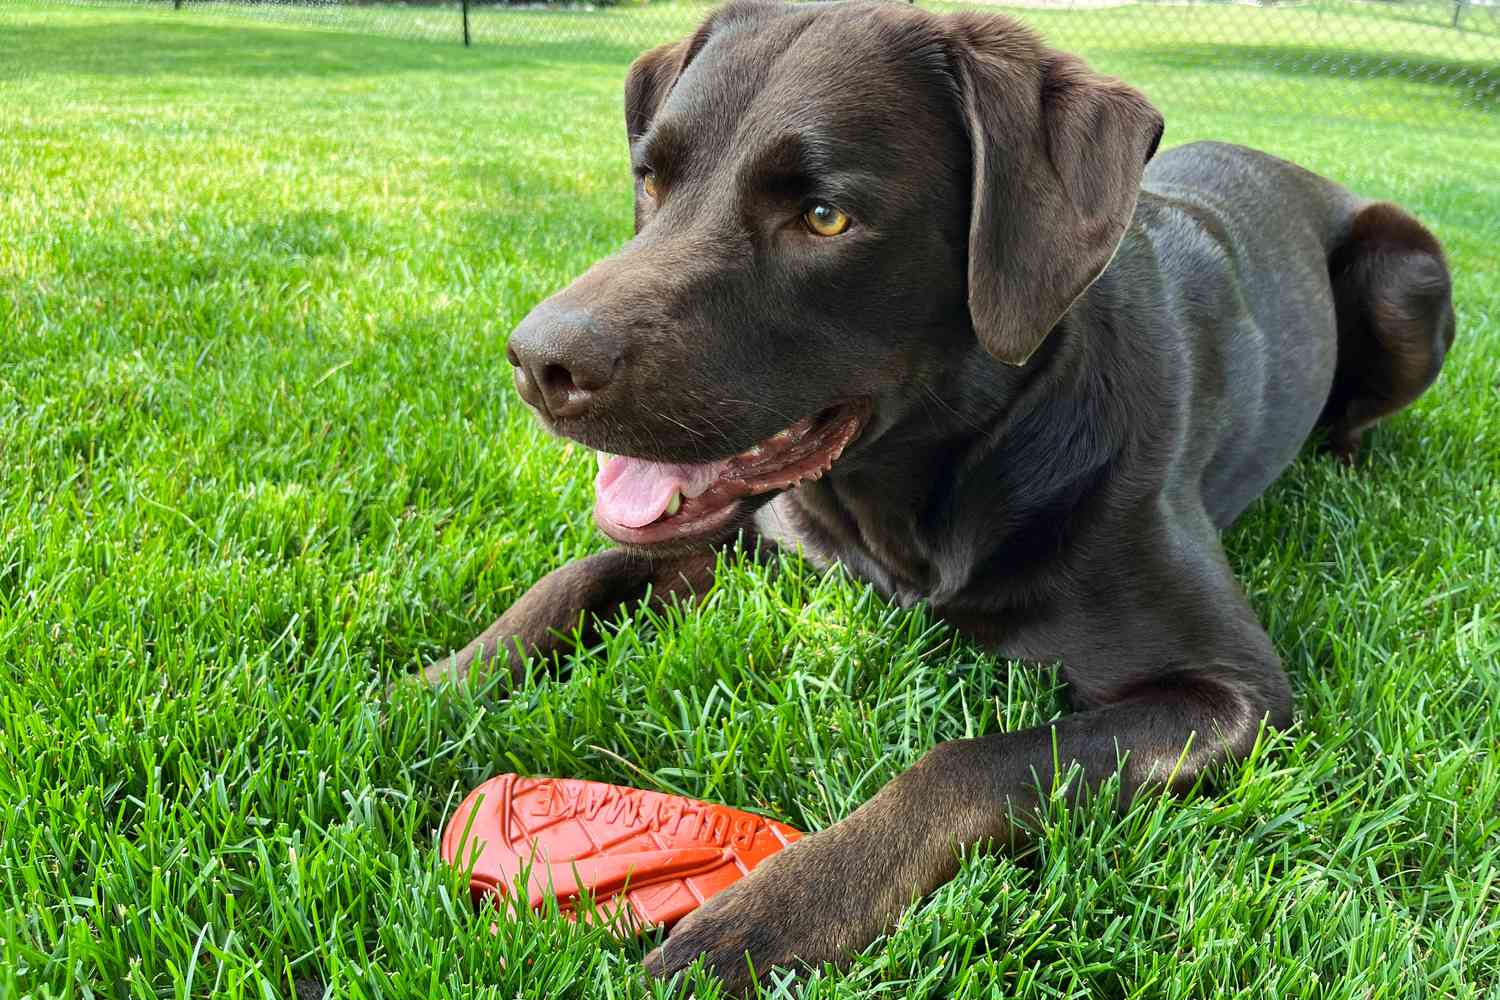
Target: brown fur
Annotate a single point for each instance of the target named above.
(1078, 369)
(1393, 295)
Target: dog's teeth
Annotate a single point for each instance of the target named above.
(674, 504)
(785, 435)
(754, 452)
(603, 457)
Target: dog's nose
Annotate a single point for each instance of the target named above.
(562, 360)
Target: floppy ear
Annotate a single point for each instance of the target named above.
(654, 73)
(649, 81)
(1058, 155)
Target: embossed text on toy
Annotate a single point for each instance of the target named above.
(642, 809)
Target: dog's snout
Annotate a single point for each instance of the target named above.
(562, 361)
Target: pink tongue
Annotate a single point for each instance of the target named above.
(633, 492)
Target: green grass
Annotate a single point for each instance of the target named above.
(259, 455)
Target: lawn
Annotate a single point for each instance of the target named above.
(260, 455)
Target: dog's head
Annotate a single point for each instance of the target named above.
(835, 205)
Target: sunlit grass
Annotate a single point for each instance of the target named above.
(259, 456)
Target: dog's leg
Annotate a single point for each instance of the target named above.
(1177, 676)
(546, 617)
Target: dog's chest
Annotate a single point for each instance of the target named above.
(887, 548)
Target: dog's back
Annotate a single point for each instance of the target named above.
(1350, 298)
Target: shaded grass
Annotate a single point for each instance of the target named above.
(259, 456)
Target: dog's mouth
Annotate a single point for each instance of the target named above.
(640, 502)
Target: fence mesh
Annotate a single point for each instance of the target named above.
(1337, 58)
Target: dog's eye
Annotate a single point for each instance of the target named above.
(648, 182)
(825, 220)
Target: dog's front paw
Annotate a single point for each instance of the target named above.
(753, 925)
(799, 907)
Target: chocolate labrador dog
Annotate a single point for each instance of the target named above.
(905, 296)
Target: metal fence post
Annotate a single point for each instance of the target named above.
(466, 23)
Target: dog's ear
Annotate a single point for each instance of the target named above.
(654, 73)
(649, 81)
(1058, 153)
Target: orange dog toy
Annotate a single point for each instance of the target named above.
(658, 856)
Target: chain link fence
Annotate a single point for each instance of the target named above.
(1334, 58)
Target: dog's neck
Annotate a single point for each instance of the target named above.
(965, 500)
